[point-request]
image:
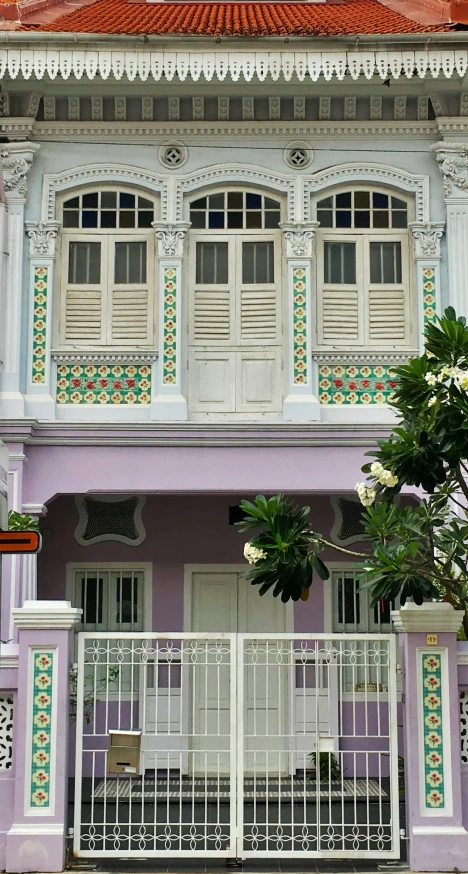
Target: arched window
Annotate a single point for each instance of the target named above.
(107, 269)
(235, 331)
(364, 294)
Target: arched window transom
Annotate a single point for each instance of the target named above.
(235, 210)
(108, 209)
(362, 209)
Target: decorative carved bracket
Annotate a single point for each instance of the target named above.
(299, 237)
(426, 238)
(452, 159)
(42, 236)
(17, 159)
(170, 238)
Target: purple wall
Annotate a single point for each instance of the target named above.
(179, 531)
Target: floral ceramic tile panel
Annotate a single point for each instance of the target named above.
(429, 291)
(103, 383)
(42, 695)
(356, 384)
(299, 326)
(169, 363)
(433, 730)
(39, 325)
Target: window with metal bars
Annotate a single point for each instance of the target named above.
(111, 600)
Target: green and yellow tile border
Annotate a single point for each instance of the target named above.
(42, 693)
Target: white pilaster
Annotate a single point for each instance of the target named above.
(426, 240)
(28, 563)
(16, 161)
(300, 404)
(452, 159)
(168, 402)
(39, 400)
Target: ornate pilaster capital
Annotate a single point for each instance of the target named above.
(298, 237)
(42, 236)
(426, 238)
(170, 237)
(17, 159)
(452, 159)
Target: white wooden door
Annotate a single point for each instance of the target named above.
(225, 601)
(235, 325)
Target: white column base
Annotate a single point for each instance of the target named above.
(300, 408)
(11, 405)
(40, 406)
(169, 408)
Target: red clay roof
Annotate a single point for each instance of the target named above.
(237, 19)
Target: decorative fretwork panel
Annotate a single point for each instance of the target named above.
(464, 725)
(6, 732)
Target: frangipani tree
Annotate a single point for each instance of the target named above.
(414, 551)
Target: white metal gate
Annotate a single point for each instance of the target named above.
(251, 745)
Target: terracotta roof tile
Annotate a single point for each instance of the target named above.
(238, 19)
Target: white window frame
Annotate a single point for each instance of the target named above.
(362, 237)
(119, 538)
(107, 237)
(329, 623)
(145, 568)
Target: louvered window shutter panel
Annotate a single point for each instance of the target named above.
(259, 295)
(82, 313)
(387, 310)
(339, 293)
(211, 322)
(130, 316)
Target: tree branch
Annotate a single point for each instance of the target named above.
(318, 538)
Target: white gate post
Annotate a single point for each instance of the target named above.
(36, 840)
(438, 840)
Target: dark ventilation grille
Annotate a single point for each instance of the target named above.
(351, 519)
(110, 518)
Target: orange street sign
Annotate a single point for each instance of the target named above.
(19, 541)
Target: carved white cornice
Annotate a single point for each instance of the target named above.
(452, 159)
(426, 238)
(42, 236)
(104, 59)
(46, 614)
(432, 616)
(372, 358)
(170, 237)
(299, 237)
(17, 159)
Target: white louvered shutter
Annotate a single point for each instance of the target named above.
(339, 304)
(211, 318)
(258, 317)
(388, 292)
(130, 314)
(81, 321)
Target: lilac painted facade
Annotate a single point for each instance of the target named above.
(191, 314)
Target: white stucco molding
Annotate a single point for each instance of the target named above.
(98, 174)
(380, 174)
(16, 161)
(433, 616)
(170, 238)
(299, 237)
(452, 159)
(46, 614)
(42, 237)
(101, 58)
(426, 239)
(244, 174)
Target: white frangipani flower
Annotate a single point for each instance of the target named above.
(383, 476)
(253, 554)
(432, 401)
(365, 494)
(431, 379)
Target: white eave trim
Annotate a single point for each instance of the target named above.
(144, 63)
